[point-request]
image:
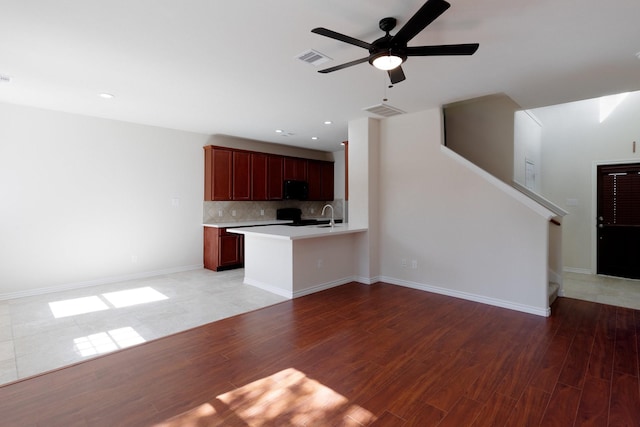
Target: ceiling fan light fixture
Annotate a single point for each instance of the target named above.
(386, 60)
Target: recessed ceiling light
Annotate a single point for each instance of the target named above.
(328, 122)
(106, 95)
(314, 138)
(279, 131)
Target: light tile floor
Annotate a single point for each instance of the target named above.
(45, 332)
(602, 289)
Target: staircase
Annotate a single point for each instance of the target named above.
(553, 292)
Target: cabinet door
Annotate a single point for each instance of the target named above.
(210, 249)
(229, 249)
(327, 181)
(275, 181)
(295, 168)
(222, 250)
(241, 175)
(314, 177)
(259, 176)
(218, 178)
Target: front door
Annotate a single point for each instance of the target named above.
(619, 220)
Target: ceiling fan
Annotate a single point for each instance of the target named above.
(389, 52)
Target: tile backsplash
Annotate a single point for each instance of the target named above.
(235, 211)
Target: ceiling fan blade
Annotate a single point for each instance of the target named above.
(396, 75)
(446, 49)
(341, 37)
(345, 65)
(423, 17)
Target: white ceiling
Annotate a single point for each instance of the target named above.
(230, 67)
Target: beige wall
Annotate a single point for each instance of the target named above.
(470, 235)
(482, 131)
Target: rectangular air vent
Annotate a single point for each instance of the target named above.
(384, 110)
(5, 79)
(313, 57)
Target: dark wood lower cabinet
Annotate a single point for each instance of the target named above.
(222, 250)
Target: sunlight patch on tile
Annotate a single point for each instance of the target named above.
(75, 306)
(105, 342)
(136, 296)
(287, 397)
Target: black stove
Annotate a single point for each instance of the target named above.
(295, 215)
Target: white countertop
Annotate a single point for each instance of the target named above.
(246, 223)
(294, 233)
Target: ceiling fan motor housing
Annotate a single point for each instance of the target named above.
(387, 24)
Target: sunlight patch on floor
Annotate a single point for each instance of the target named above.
(136, 296)
(105, 342)
(75, 306)
(119, 299)
(287, 397)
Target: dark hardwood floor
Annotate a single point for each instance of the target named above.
(355, 355)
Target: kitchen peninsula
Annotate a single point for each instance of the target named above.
(296, 261)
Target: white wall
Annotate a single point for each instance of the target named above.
(364, 161)
(527, 142)
(573, 140)
(471, 235)
(86, 199)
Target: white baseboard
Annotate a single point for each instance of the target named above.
(96, 282)
(269, 288)
(302, 292)
(324, 286)
(545, 312)
(577, 270)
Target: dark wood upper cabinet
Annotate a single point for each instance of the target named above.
(241, 175)
(295, 168)
(218, 167)
(275, 177)
(259, 176)
(327, 181)
(320, 178)
(232, 174)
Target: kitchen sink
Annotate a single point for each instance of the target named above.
(328, 226)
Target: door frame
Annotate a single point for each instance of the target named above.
(594, 204)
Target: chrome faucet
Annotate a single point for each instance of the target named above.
(331, 223)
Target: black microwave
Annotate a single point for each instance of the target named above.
(295, 190)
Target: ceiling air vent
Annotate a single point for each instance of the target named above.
(313, 57)
(384, 110)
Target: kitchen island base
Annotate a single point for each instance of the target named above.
(292, 261)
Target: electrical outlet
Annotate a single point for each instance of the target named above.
(233, 212)
(219, 212)
(312, 210)
(414, 264)
(320, 263)
(261, 212)
(403, 262)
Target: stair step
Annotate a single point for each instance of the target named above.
(553, 291)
